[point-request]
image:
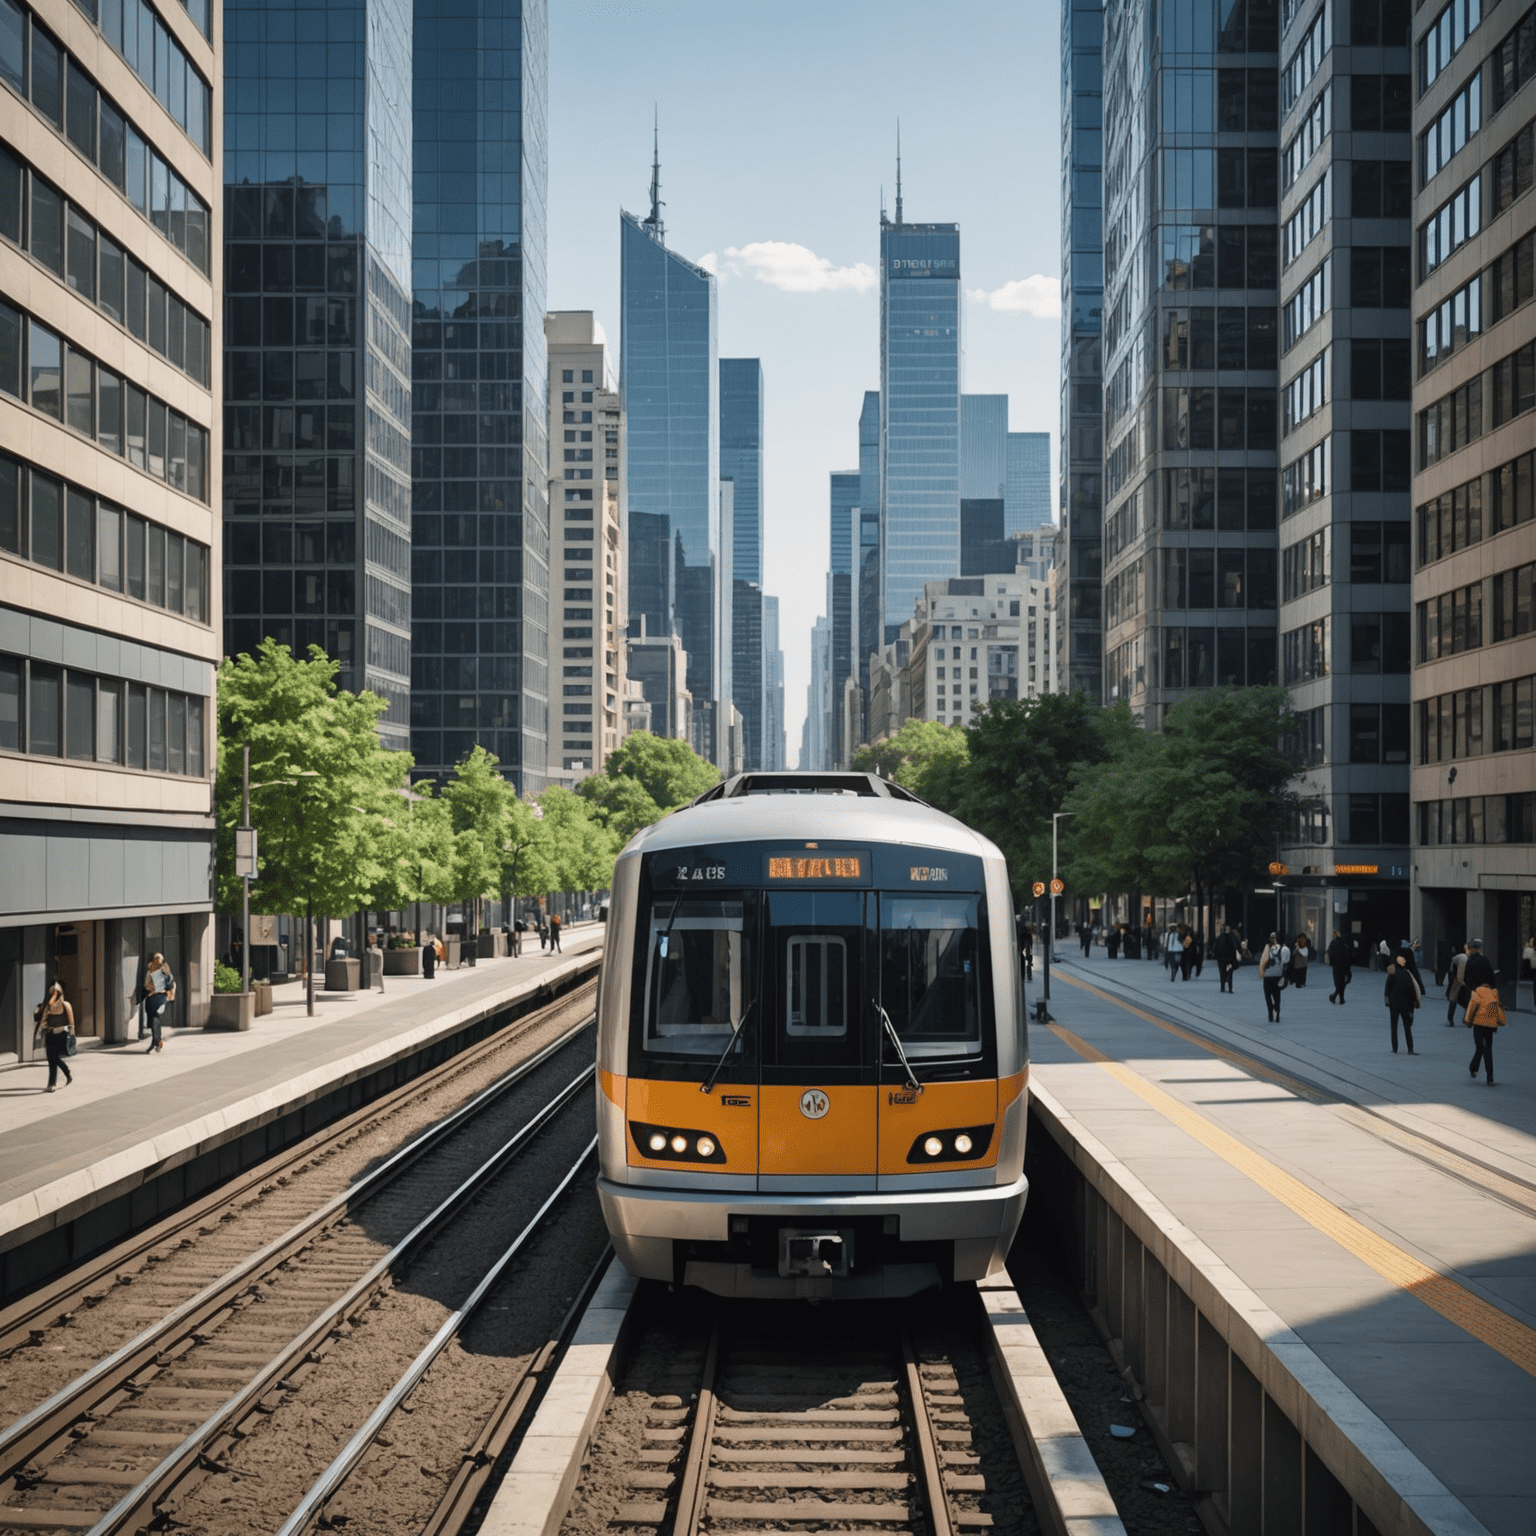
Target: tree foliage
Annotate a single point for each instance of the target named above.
(326, 799)
(646, 777)
(924, 756)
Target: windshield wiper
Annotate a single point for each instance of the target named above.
(912, 1083)
(708, 1085)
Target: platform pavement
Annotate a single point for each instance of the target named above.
(1365, 1222)
(127, 1106)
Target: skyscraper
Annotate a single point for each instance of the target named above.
(741, 462)
(871, 629)
(919, 410)
(670, 381)
(586, 544)
(1079, 637)
(774, 747)
(983, 482)
(479, 451)
(318, 357)
(110, 329)
(1190, 356)
(1346, 178)
(842, 610)
(1474, 487)
(1027, 488)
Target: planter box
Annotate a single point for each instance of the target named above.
(492, 945)
(262, 991)
(402, 962)
(232, 1010)
(342, 975)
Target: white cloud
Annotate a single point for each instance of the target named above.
(1038, 295)
(790, 267)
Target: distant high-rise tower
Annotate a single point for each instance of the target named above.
(741, 462)
(983, 483)
(480, 489)
(773, 689)
(871, 629)
(842, 606)
(919, 410)
(670, 381)
(1078, 632)
(1027, 491)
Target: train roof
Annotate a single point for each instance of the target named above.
(838, 807)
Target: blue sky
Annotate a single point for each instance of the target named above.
(778, 129)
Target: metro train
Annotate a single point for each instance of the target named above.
(812, 1054)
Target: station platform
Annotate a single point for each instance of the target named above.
(131, 1113)
(1365, 1221)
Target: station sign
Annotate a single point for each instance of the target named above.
(1039, 887)
(1356, 869)
(1279, 869)
(1057, 887)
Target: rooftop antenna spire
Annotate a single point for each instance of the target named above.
(654, 224)
(898, 170)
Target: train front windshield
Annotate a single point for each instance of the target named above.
(807, 980)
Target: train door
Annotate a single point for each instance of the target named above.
(938, 1107)
(819, 1074)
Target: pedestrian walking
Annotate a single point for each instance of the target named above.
(1272, 967)
(1085, 938)
(428, 957)
(1172, 949)
(1479, 971)
(159, 994)
(1150, 948)
(55, 1021)
(1027, 949)
(554, 933)
(1189, 953)
(1383, 954)
(1401, 995)
(1112, 941)
(1301, 958)
(1456, 992)
(1224, 952)
(1485, 1014)
(1341, 954)
(1528, 967)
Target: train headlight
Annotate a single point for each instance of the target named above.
(957, 1144)
(679, 1143)
(676, 1143)
(704, 1146)
(658, 1142)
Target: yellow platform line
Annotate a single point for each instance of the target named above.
(1415, 1143)
(1453, 1301)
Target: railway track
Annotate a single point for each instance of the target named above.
(780, 1419)
(128, 1442)
(55, 1334)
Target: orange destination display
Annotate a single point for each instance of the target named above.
(846, 866)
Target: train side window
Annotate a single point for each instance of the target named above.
(694, 976)
(816, 986)
(930, 974)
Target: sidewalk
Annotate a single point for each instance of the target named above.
(1372, 1216)
(130, 1113)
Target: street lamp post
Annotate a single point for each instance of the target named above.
(1050, 938)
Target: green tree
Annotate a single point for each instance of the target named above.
(1022, 754)
(581, 848)
(924, 756)
(324, 791)
(479, 802)
(646, 776)
(527, 868)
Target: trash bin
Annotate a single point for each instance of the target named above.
(342, 975)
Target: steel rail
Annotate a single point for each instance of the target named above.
(25, 1436)
(137, 1507)
(24, 1319)
(325, 1486)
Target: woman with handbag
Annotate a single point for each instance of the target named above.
(56, 1022)
(1401, 995)
(159, 993)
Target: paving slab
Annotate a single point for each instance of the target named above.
(1282, 1155)
(130, 1113)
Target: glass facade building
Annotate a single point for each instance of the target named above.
(670, 382)
(1079, 638)
(741, 462)
(920, 366)
(317, 369)
(1346, 178)
(479, 449)
(842, 603)
(870, 633)
(773, 689)
(1027, 492)
(1191, 349)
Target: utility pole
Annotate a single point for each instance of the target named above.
(245, 867)
(1050, 944)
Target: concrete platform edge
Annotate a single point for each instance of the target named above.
(1396, 1490)
(538, 1486)
(1068, 1491)
(61, 1200)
